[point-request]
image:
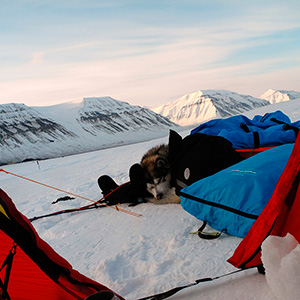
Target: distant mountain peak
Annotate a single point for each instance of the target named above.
(199, 106)
(275, 96)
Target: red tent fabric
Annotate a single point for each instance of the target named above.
(37, 272)
(246, 153)
(280, 216)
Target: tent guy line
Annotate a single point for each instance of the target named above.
(60, 190)
(175, 290)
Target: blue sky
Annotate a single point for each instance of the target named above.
(145, 52)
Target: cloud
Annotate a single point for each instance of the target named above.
(149, 61)
(147, 78)
(37, 57)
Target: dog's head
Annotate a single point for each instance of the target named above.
(156, 166)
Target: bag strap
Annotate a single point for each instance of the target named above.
(286, 126)
(244, 126)
(256, 141)
(207, 235)
(8, 263)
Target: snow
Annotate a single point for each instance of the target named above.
(281, 259)
(134, 256)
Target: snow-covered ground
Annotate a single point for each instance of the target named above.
(134, 256)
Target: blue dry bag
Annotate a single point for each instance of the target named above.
(232, 199)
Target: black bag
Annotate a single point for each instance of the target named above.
(198, 156)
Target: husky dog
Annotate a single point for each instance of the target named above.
(166, 169)
(157, 170)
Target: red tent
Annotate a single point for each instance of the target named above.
(280, 216)
(31, 269)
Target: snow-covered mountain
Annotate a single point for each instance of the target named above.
(203, 105)
(74, 127)
(275, 96)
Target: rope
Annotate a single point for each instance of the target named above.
(60, 190)
(173, 291)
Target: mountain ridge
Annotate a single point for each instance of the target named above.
(275, 96)
(94, 123)
(208, 104)
(74, 127)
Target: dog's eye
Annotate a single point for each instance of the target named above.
(150, 186)
(159, 180)
(156, 181)
(160, 163)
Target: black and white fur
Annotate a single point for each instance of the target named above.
(157, 171)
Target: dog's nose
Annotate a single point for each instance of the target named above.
(159, 196)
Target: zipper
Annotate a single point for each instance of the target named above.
(221, 206)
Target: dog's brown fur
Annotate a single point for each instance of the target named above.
(157, 170)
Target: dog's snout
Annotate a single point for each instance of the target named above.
(159, 196)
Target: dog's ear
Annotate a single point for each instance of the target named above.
(175, 144)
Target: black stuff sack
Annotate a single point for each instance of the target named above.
(198, 156)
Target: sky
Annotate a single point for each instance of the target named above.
(145, 52)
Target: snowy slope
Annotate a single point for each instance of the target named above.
(275, 96)
(27, 134)
(74, 127)
(104, 114)
(207, 104)
(135, 256)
